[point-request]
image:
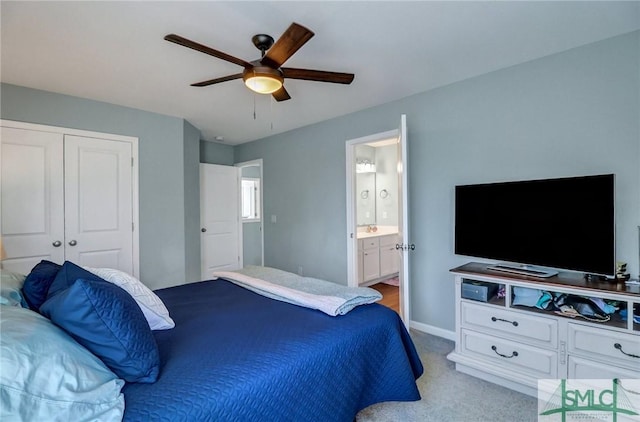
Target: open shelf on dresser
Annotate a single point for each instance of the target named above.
(515, 342)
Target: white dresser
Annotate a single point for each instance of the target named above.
(515, 345)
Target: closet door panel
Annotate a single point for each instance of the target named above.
(32, 212)
(98, 203)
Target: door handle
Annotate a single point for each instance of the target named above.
(203, 230)
(57, 244)
(406, 247)
(73, 243)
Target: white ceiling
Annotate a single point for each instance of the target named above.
(115, 52)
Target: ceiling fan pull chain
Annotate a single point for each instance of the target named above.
(271, 112)
(254, 106)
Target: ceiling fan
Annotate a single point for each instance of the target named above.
(265, 75)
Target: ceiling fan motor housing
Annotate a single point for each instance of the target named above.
(263, 42)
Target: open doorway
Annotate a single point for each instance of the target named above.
(377, 222)
(251, 181)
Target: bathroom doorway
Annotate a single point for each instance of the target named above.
(377, 223)
(251, 199)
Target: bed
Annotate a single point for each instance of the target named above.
(237, 355)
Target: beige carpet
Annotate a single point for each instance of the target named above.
(451, 396)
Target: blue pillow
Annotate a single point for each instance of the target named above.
(68, 274)
(38, 281)
(105, 319)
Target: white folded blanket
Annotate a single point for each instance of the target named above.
(331, 298)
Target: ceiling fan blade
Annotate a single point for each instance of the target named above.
(218, 80)
(293, 38)
(318, 75)
(177, 39)
(281, 95)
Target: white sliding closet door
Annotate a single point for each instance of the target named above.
(98, 203)
(32, 198)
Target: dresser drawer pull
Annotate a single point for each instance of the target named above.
(619, 347)
(513, 354)
(494, 319)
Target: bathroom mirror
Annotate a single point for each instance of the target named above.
(377, 184)
(366, 198)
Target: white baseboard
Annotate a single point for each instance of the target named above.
(430, 329)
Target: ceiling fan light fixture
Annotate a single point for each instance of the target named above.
(266, 75)
(263, 80)
(263, 84)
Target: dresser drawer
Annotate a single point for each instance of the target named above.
(580, 368)
(518, 326)
(614, 347)
(540, 363)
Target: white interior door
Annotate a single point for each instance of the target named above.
(32, 198)
(220, 243)
(403, 221)
(354, 260)
(98, 203)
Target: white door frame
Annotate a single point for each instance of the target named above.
(352, 226)
(134, 181)
(403, 220)
(253, 163)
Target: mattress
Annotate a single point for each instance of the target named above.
(237, 356)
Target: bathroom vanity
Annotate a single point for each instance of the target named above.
(378, 258)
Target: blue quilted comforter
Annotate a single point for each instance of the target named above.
(237, 356)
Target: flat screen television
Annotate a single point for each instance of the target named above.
(564, 223)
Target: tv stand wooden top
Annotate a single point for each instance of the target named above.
(562, 279)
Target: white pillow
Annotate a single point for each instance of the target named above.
(151, 305)
(47, 376)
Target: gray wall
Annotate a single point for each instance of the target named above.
(251, 250)
(568, 114)
(191, 139)
(251, 171)
(163, 157)
(304, 188)
(216, 153)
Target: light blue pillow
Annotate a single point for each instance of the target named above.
(47, 376)
(106, 320)
(10, 289)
